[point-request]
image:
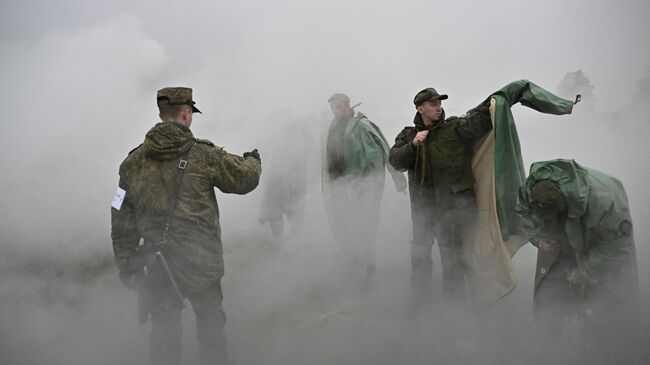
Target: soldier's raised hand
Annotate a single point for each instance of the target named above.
(420, 137)
(254, 154)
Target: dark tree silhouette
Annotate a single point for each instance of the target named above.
(577, 82)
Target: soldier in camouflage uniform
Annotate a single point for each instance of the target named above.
(193, 238)
(437, 153)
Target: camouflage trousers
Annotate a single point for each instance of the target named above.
(166, 330)
(446, 230)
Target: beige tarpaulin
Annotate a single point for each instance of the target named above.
(487, 256)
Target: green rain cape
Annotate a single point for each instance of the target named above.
(599, 226)
(366, 159)
(365, 147)
(600, 231)
(497, 234)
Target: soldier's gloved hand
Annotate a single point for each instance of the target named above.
(254, 154)
(128, 280)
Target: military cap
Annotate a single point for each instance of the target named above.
(176, 96)
(547, 199)
(339, 97)
(426, 95)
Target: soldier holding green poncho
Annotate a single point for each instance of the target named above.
(579, 219)
(437, 154)
(354, 163)
(464, 175)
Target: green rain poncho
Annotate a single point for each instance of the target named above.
(600, 232)
(365, 150)
(498, 169)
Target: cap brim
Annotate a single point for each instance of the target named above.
(433, 98)
(196, 110)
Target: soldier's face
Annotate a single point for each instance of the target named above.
(340, 109)
(186, 115)
(431, 110)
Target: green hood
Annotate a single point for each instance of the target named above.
(573, 181)
(598, 225)
(599, 229)
(570, 176)
(167, 141)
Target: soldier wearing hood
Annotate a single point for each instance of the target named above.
(579, 219)
(437, 154)
(166, 198)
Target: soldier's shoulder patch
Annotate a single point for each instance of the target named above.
(133, 150)
(625, 227)
(205, 141)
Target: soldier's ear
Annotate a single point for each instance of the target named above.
(419, 108)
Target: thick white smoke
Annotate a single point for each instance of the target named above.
(78, 89)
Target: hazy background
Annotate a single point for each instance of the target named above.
(78, 92)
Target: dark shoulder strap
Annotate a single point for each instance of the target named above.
(178, 177)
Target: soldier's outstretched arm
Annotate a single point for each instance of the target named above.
(233, 174)
(402, 154)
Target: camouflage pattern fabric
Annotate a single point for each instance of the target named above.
(441, 166)
(193, 248)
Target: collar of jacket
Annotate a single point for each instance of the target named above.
(167, 140)
(177, 124)
(350, 123)
(353, 115)
(420, 126)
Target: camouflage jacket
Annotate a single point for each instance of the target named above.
(147, 177)
(441, 166)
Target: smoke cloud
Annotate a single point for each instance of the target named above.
(78, 92)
